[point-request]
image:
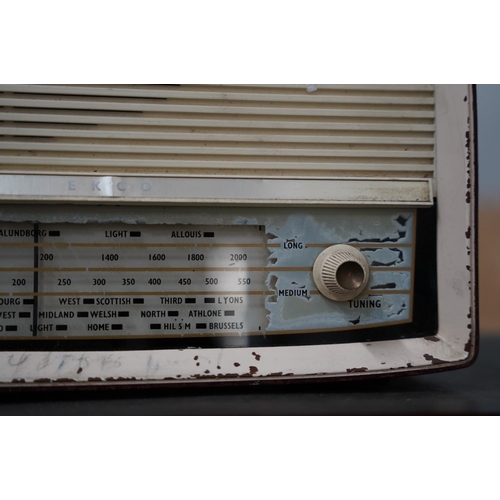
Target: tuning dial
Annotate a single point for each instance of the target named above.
(341, 272)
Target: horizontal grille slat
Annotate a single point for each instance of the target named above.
(232, 95)
(366, 87)
(295, 165)
(227, 124)
(223, 109)
(193, 150)
(162, 129)
(216, 137)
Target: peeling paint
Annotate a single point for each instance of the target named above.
(357, 370)
(297, 240)
(468, 345)
(433, 360)
(119, 379)
(387, 257)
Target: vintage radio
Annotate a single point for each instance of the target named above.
(180, 234)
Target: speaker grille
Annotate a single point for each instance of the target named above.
(263, 130)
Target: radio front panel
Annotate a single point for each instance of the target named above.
(244, 279)
(200, 234)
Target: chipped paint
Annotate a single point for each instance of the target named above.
(296, 305)
(433, 360)
(357, 370)
(388, 257)
(432, 339)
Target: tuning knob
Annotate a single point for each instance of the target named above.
(341, 272)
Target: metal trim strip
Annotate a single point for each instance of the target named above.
(205, 190)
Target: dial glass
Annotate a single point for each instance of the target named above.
(240, 277)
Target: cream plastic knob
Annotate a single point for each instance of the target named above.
(341, 272)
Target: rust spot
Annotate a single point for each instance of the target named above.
(281, 374)
(465, 99)
(383, 363)
(470, 313)
(409, 365)
(357, 370)
(218, 367)
(256, 356)
(467, 197)
(253, 370)
(467, 233)
(433, 360)
(207, 371)
(432, 338)
(18, 381)
(80, 370)
(196, 358)
(468, 345)
(121, 379)
(221, 376)
(57, 381)
(237, 364)
(197, 364)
